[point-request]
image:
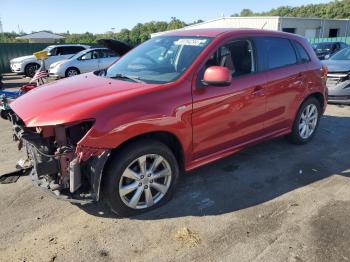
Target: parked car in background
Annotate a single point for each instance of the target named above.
(85, 61)
(28, 64)
(91, 59)
(338, 78)
(172, 104)
(327, 49)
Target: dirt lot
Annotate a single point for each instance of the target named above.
(271, 202)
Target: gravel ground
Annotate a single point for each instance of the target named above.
(271, 202)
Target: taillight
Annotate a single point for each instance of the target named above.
(324, 72)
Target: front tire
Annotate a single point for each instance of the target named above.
(140, 177)
(72, 71)
(306, 122)
(30, 69)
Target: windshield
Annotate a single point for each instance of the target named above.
(322, 47)
(342, 55)
(48, 49)
(159, 60)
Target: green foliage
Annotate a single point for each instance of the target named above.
(246, 12)
(10, 38)
(135, 36)
(334, 9)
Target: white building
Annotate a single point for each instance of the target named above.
(42, 37)
(308, 27)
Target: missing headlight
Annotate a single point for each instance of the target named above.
(77, 131)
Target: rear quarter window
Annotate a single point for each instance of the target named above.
(279, 52)
(303, 55)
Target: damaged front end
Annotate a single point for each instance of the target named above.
(59, 163)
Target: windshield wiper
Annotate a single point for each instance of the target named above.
(134, 78)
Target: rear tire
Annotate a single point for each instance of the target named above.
(140, 177)
(306, 122)
(30, 69)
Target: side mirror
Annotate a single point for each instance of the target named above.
(327, 57)
(217, 76)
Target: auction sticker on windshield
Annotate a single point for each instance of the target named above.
(191, 42)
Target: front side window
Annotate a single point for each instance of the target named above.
(237, 56)
(322, 47)
(51, 50)
(159, 60)
(86, 56)
(280, 52)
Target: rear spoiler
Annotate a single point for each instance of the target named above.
(119, 47)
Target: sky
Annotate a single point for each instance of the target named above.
(99, 16)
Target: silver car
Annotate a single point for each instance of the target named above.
(83, 62)
(338, 78)
(29, 64)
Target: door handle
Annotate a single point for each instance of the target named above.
(258, 91)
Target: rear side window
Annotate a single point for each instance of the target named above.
(280, 52)
(304, 57)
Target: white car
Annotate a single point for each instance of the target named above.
(28, 64)
(85, 61)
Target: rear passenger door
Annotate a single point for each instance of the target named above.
(286, 82)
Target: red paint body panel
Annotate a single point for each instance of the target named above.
(209, 123)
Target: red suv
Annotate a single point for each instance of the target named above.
(172, 104)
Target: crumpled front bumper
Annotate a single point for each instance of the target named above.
(340, 93)
(92, 170)
(67, 170)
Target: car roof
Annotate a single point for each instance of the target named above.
(98, 48)
(53, 46)
(214, 32)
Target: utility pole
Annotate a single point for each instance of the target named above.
(1, 29)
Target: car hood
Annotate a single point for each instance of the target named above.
(118, 47)
(72, 99)
(23, 58)
(337, 65)
(58, 63)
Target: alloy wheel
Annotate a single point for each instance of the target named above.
(31, 70)
(145, 181)
(72, 72)
(308, 121)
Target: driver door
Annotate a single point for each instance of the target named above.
(229, 116)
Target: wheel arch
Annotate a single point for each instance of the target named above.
(320, 97)
(165, 137)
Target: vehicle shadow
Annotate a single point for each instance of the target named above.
(11, 81)
(256, 175)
